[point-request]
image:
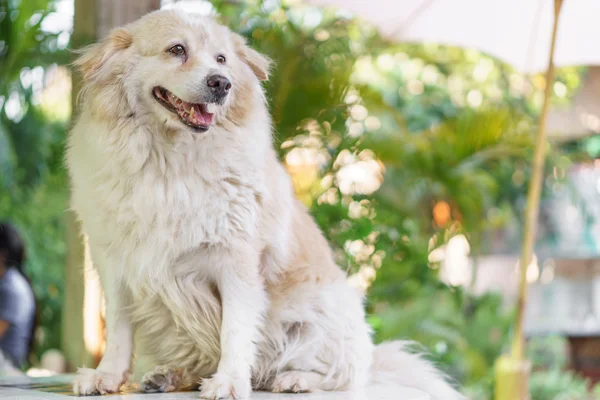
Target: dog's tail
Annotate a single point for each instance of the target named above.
(393, 363)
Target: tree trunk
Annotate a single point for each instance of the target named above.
(82, 331)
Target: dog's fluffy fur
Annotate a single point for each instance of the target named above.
(200, 244)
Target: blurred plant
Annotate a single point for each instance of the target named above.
(29, 146)
(550, 352)
(550, 379)
(465, 343)
(556, 384)
(32, 181)
(455, 167)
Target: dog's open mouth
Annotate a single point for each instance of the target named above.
(198, 116)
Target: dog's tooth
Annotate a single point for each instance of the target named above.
(211, 108)
(192, 112)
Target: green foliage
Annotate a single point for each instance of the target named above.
(557, 384)
(550, 379)
(548, 352)
(29, 143)
(464, 335)
(460, 162)
(32, 181)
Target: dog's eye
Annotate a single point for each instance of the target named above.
(221, 59)
(178, 50)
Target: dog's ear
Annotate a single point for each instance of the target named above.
(258, 63)
(95, 56)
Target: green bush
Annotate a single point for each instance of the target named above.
(557, 384)
(33, 193)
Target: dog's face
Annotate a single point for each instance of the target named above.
(186, 71)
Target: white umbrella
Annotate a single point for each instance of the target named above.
(515, 31)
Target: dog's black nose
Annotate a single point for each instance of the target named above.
(219, 85)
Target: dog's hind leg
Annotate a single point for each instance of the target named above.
(297, 382)
(164, 379)
(324, 342)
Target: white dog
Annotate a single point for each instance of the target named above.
(201, 247)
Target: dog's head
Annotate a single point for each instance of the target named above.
(187, 72)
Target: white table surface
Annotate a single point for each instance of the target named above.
(11, 392)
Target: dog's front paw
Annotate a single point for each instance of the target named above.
(224, 387)
(92, 381)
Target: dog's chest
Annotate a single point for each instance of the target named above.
(157, 217)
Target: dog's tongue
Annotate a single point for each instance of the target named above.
(196, 114)
(200, 116)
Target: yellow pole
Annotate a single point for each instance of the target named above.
(534, 194)
(512, 372)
